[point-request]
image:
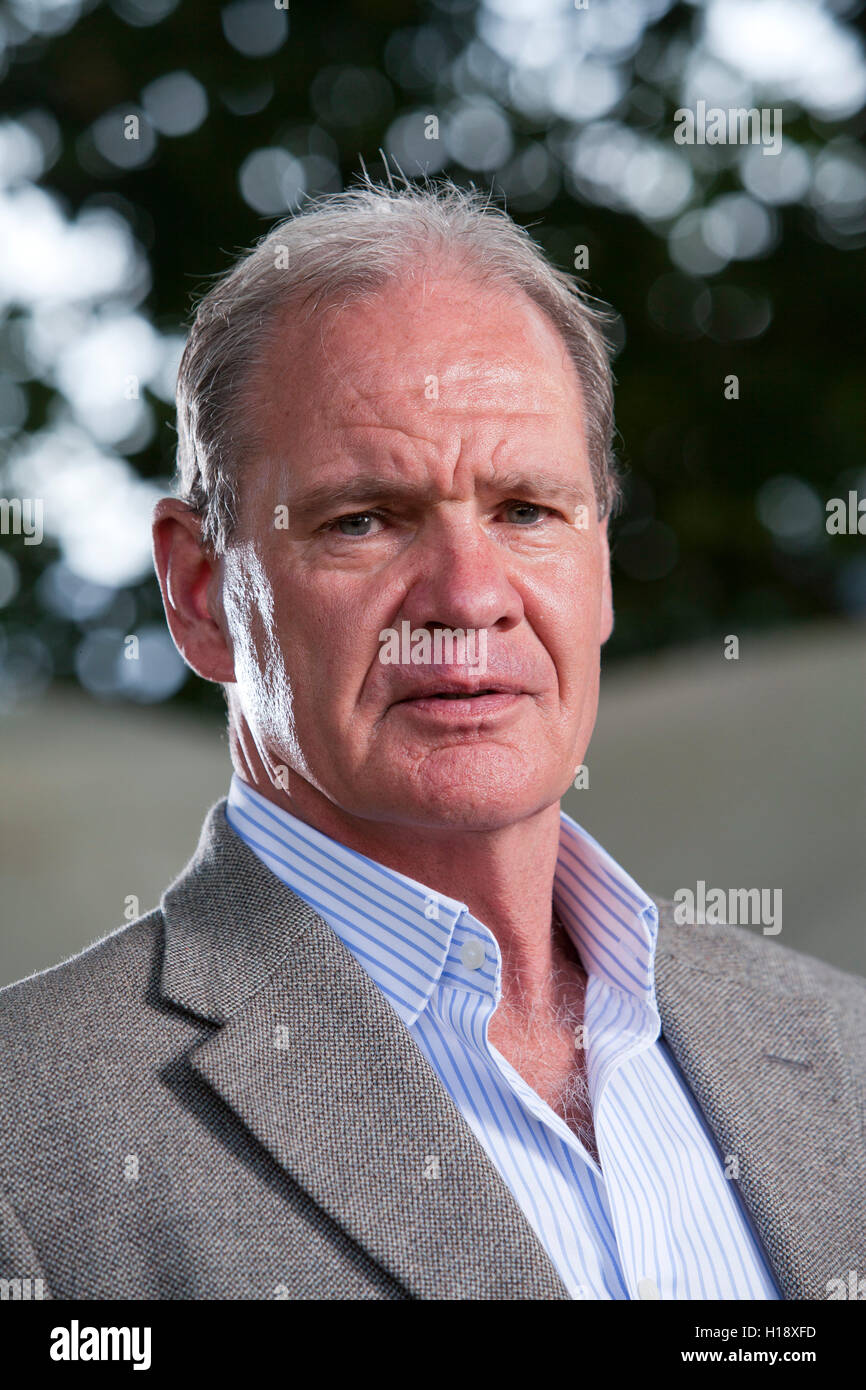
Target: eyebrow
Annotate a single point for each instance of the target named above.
(366, 490)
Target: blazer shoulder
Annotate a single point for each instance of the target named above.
(65, 997)
(759, 960)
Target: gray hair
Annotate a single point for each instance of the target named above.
(341, 247)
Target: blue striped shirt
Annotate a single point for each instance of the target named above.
(658, 1217)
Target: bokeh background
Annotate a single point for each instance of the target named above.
(145, 142)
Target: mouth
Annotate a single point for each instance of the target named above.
(486, 702)
(445, 689)
(457, 695)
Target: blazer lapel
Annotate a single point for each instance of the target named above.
(312, 1058)
(762, 1054)
(317, 1064)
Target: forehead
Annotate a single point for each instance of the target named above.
(434, 341)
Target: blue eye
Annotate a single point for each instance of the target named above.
(358, 524)
(349, 518)
(526, 506)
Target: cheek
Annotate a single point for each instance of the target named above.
(251, 612)
(262, 679)
(330, 629)
(589, 619)
(570, 617)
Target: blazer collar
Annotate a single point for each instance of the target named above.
(762, 1054)
(317, 1064)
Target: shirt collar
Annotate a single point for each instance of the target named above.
(409, 937)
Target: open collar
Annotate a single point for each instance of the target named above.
(315, 1061)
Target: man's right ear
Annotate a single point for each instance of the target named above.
(189, 578)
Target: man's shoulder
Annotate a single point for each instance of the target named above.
(82, 1047)
(83, 995)
(760, 961)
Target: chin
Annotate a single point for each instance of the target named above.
(481, 789)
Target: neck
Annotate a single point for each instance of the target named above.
(504, 876)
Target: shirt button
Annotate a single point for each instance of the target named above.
(646, 1289)
(472, 954)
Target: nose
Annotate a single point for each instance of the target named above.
(459, 578)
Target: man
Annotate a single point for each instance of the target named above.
(402, 1028)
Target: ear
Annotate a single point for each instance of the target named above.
(607, 618)
(190, 580)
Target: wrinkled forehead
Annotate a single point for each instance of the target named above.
(437, 344)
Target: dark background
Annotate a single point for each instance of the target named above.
(723, 528)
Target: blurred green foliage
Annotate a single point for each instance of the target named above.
(693, 558)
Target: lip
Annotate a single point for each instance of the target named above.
(457, 711)
(439, 683)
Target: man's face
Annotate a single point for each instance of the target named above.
(428, 445)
